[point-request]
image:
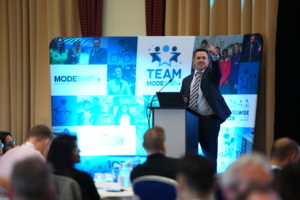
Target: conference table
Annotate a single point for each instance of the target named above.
(113, 190)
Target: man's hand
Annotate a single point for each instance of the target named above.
(212, 50)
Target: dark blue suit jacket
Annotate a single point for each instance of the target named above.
(210, 87)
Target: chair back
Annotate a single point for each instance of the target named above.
(66, 188)
(154, 187)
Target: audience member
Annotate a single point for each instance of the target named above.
(117, 85)
(195, 178)
(37, 145)
(31, 180)
(97, 54)
(7, 141)
(288, 181)
(157, 163)
(63, 154)
(284, 151)
(251, 170)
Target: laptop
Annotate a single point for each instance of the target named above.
(170, 99)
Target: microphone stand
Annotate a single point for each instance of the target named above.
(152, 99)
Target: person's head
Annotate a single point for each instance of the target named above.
(284, 151)
(60, 44)
(63, 153)
(204, 44)
(40, 136)
(7, 140)
(86, 105)
(236, 49)
(247, 171)
(154, 140)
(252, 39)
(195, 177)
(118, 72)
(31, 180)
(288, 181)
(200, 59)
(105, 108)
(225, 53)
(96, 43)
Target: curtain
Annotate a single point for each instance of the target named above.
(155, 17)
(234, 17)
(27, 28)
(91, 17)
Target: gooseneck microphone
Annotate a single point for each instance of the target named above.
(152, 99)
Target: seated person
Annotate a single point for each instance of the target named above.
(63, 154)
(284, 151)
(31, 180)
(7, 141)
(195, 178)
(157, 163)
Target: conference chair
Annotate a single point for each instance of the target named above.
(154, 187)
(66, 188)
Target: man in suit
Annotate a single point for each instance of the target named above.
(157, 163)
(200, 92)
(284, 151)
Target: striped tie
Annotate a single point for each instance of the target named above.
(195, 91)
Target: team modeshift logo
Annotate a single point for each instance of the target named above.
(165, 55)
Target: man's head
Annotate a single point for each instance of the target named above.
(154, 140)
(96, 43)
(31, 180)
(195, 177)
(200, 59)
(248, 171)
(41, 136)
(284, 151)
(118, 73)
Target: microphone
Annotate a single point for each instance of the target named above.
(151, 102)
(160, 91)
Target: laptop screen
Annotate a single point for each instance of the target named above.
(170, 99)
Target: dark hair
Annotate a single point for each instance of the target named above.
(40, 132)
(283, 147)
(199, 50)
(204, 42)
(225, 50)
(60, 154)
(31, 179)
(198, 173)
(3, 135)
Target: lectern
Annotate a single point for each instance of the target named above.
(181, 126)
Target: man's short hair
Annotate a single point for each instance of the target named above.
(199, 50)
(40, 132)
(31, 179)
(198, 172)
(284, 147)
(154, 138)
